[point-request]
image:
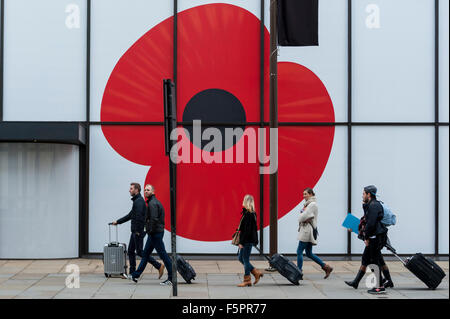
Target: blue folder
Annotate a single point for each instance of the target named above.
(351, 222)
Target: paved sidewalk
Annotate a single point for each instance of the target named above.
(216, 279)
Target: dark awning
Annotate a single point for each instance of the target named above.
(43, 132)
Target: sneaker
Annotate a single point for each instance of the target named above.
(135, 279)
(377, 291)
(166, 283)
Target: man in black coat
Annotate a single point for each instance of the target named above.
(374, 234)
(137, 217)
(154, 226)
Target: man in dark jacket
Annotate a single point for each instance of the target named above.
(154, 226)
(137, 217)
(374, 234)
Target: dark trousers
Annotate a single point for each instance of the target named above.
(154, 241)
(372, 253)
(135, 248)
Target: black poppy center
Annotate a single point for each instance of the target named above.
(215, 108)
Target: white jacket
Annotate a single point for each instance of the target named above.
(305, 230)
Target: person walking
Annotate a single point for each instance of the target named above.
(248, 239)
(374, 235)
(154, 226)
(307, 231)
(137, 217)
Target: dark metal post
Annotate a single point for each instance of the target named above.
(170, 123)
(349, 119)
(436, 127)
(273, 185)
(84, 231)
(261, 125)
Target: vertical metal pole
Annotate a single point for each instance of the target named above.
(172, 166)
(273, 185)
(436, 127)
(261, 125)
(85, 230)
(349, 120)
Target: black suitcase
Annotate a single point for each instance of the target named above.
(185, 269)
(422, 267)
(285, 267)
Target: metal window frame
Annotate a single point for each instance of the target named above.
(84, 171)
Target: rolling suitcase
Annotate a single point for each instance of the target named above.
(422, 267)
(285, 267)
(115, 256)
(185, 269)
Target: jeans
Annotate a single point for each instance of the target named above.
(244, 258)
(135, 248)
(308, 247)
(154, 241)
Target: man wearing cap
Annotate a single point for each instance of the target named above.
(374, 234)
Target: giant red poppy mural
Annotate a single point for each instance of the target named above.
(218, 81)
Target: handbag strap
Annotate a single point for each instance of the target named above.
(239, 227)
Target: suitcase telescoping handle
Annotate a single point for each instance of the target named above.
(392, 249)
(268, 259)
(117, 233)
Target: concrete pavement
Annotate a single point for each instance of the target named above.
(216, 279)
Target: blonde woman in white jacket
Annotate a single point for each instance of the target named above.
(307, 223)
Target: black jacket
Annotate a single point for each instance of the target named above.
(373, 214)
(154, 218)
(137, 215)
(249, 234)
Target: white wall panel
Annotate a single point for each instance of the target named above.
(399, 161)
(443, 60)
(109, 182)
(45, 60)
(328, 60)
(38, 200)
(331, 193)
(443, 190)
(393, 61)
(116, 26)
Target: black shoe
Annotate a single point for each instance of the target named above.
(388, 284)
(352, 284)
(357, 279)
(377, 291)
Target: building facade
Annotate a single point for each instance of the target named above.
(81, 117)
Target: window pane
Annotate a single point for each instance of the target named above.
(45, 60)
(399, 161)
(393, 60)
